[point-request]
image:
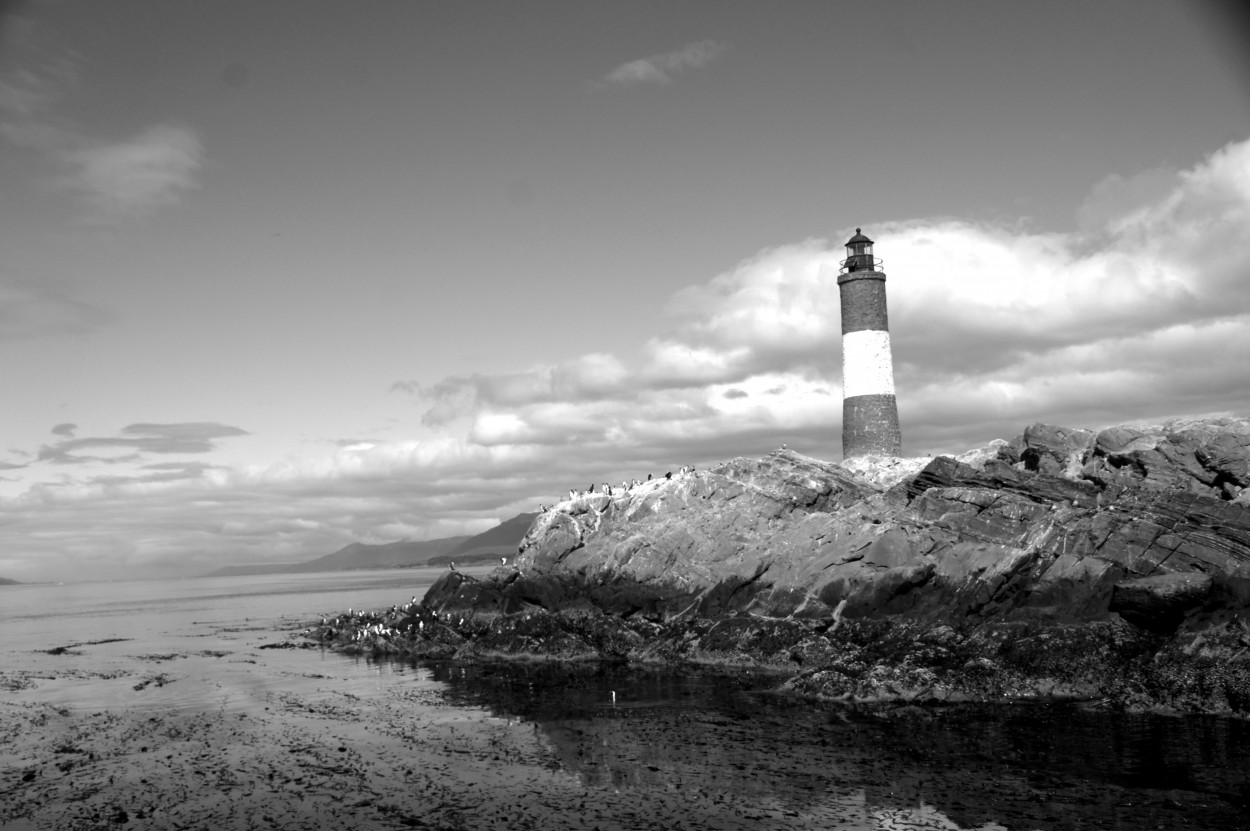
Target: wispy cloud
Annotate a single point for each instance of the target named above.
(136, 176)
(660, 69)
(113, 179)
(137, 439)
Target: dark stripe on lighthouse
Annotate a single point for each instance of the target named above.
(870, 426)
(869, 408)
(863, 302)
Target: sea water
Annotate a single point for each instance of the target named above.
(670, 738)
(78, 644)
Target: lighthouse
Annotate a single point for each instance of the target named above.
(869, 408)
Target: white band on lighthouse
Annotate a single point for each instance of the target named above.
(867, 368)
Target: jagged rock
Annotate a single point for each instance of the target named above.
(980, 457)
(1205, 457)
(1147, 532)
(946, 472)
(1054, 450)
(1120, 441)
(884, 471)
(792, 537)
(1228, 457)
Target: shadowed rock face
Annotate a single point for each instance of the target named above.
(1116, 546)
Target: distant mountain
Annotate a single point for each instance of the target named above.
(4, 581)
(500, 541)
(386, 555)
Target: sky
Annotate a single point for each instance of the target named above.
(278, 277)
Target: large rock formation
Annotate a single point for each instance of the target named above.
(1113, 565)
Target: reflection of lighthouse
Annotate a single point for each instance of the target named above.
(869, 409)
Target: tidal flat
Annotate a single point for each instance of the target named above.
(190, 706)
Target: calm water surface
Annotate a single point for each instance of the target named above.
(201, 626)
(1008, 767)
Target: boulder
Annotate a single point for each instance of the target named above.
(1055, 450)
(1159, 602)
(1228, 457)
(1118, 441)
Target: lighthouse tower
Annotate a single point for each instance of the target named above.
(869, 409)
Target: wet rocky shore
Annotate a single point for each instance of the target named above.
(1109, 567)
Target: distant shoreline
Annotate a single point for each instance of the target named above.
(304, 567)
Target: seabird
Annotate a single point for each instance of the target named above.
(669, 475)
(648, 477)
(503, 561)
(453, 566)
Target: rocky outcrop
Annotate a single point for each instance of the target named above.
(1161, 601)
(1063, 562)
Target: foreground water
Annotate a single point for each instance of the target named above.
(170, 704)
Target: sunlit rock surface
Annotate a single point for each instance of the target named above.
(1065, 562)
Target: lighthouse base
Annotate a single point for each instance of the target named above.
(870, 426)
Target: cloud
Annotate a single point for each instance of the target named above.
(587, 377)
(27, 94)
(138, 175)
(67, 429)
(196, 432)
(993, 327)
(113, 179)
(1140, 316)
(1117, 197)
(137, 439)
(660, 69)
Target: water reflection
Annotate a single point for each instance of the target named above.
(1005, 767)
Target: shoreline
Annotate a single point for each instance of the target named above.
(540, 744)
(1109, 663)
